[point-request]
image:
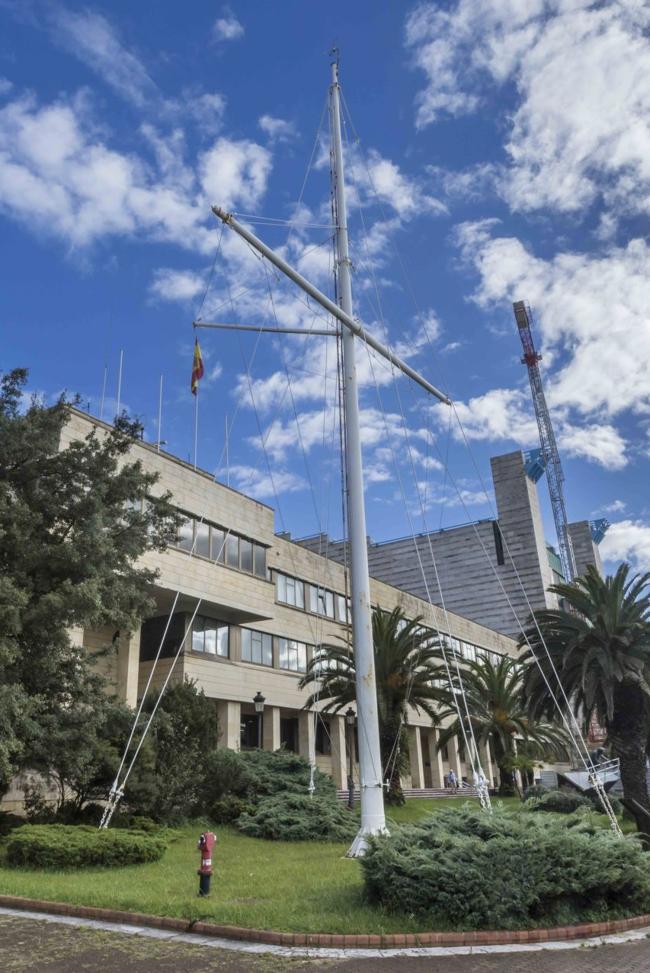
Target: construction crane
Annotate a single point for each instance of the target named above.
(550, 454)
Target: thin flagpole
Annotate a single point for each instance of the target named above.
(227, 456)
(101, 405)
(119, 382)
(196, 425)
(160, 395)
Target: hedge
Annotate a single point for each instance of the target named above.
(299, 817)
(464, 869)
(79, 846)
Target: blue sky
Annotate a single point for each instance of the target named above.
(497, 150)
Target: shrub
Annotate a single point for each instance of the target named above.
(468, 870)
(298, 817)
(228, 809)
(535, 790)
(561, 802)
(78, 846)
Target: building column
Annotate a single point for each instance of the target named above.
(415, 757)
(339, 751)
(486, 760)
(455, 763)
(271, 728)
(229, 717)
(306, 740)
(128, 669)
(435, 758)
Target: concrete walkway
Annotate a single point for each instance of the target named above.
(57, 945)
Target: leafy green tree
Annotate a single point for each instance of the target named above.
(74, 523)
(498, 715)
(408, 670)
(600, 647)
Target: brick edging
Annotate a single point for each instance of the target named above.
(351, 941)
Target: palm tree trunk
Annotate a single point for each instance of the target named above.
(628, 736)
(506, 776)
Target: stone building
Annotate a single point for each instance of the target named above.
(493, 571)
(264, 603)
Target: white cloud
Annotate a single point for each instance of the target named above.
(581, 69)
(176, 285)
(615, 507)
(256, 482)
(227, 27)
(591, 317)
(235, 172)
(277, 129)
(59, 178)
(600, 444)
(497, 414)
(5, 86)
(628, 540)
(93, 39)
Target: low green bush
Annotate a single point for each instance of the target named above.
(535, 790)
(80, 846)
(561, 802)
(298, 817)
(228, 809)
(465, 869)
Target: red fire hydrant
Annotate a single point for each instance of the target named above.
(206, 843)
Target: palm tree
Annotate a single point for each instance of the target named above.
(498, 715)
(600, 648)
(407, 671)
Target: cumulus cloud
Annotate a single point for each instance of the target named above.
(60, 178)
(581, 69)
(277, 129)
(628, 540)
(590, 315)
(176, 285)
(255, 482)
(227, 27)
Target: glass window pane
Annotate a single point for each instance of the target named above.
(197, 634)
(245, 645)
(284, 653)
(267, 649)
(341, 613)
(260, 560)
(300, 594)
(313, 599)
(210, 638)
(291, 591)
(246, 555)
(232, 551)
(218, 537)
(329, 604)
(202, 545)
(186, 534)
(301, 660)
(282, 587)
(223, 641)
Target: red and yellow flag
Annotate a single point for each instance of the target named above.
(197, 367)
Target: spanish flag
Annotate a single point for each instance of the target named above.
(197, 367)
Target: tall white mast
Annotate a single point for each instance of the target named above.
(370, 772)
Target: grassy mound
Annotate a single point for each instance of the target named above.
(468, 870)
(77, 846)
(298, 817)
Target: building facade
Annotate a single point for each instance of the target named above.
(250, 608)
(494, 571)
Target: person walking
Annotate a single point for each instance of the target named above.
(453, 782)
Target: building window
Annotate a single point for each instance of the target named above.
(202, 544)
(210, 637)
(289, 734)
(218, 544)
(321, 601)
(248, 732)
(290, 591)
(232, 551)
(259, 560)
(343, 613)
(185, 537)
(256, 647)
(293, 655)
(246, 555)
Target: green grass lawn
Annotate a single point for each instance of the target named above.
(300, 887)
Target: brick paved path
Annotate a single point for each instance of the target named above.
(29, 945)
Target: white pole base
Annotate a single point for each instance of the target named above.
(359, 846)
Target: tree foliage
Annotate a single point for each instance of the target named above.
(600, 648)
(498, 714)
(73, 525)
(408, 669)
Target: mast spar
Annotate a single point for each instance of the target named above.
(373, 819)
